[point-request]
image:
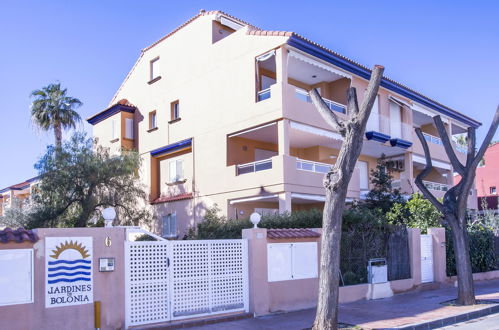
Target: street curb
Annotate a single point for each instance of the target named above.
(452, 319)
(195, 322)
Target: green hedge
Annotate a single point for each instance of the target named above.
(215, 227)
(482, 252)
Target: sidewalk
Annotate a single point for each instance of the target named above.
(399, 311)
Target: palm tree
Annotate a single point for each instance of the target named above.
(53, 109)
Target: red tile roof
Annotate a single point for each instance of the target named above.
(18, 235)
(165, 199)
(291, 233)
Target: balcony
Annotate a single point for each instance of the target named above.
(303, 95)
(311, 166)
(263, 94)
(436, 186)
(252, 167)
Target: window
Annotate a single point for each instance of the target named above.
(493, 190)
(152, 120)
(176, 170)
(175, 110)
(154, 70)
(373, 121)
(129, 128)
(395, 121)
(170, 225)
(364, 175)
(16, 272)
(114, 129)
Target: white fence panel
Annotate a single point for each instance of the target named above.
(209, 277)
(146, 282)
(171, 280)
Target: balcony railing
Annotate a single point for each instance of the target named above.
(307, 165)
(396, 184)
(263, 94)
(333, 106)
(436, 186)
(436, 140)
(433, 139)
(257, 166)
(461, 148)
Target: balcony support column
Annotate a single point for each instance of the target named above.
(281, 65)
(283, 137)
(285, 202)
(406, 176)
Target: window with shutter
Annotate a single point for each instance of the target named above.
(129, 128)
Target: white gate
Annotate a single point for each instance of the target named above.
(171, 280)
(426, 258)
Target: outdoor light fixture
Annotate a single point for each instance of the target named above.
(109, 214)
(255, 219)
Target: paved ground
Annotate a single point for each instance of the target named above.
(490, 322)
(394, 312)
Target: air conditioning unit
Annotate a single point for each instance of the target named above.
(395, 165)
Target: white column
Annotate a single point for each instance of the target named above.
(281, 64)
(285, 202)
(283, 137)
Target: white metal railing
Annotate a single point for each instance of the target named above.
(461, 148)
(263, 94)
(396, 184)
(307, 165)
(260, 165)
(433, 139)
(436, 186)
(333, 106)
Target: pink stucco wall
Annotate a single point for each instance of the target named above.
(107, 287)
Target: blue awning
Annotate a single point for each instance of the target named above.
(171, 148)
(377, 136)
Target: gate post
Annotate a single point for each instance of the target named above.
(414, 235)
(439, 254)
(257, 270)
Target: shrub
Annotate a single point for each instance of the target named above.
(482, 252)
(418, 212)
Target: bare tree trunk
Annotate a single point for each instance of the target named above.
(336, 183)
(465, 287)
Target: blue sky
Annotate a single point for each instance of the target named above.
(448, 50)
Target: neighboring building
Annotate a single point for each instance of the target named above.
(220, 113)
(16, 193)
(487, 178)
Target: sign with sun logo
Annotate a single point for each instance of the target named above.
(68, 271)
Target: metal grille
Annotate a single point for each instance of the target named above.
(168, 280)
(208, 277)
(146, 282)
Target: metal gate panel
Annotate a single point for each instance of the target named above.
(208, 277)
(170, 280)
(426, 258)
(146, 282)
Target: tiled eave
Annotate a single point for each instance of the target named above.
(361, 71)
(18, 235)
(166, 199)
(291, 233)
(109, 112)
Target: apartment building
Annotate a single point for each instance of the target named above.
(16, 194)
(220, 113)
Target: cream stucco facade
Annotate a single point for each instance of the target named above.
(219, 111)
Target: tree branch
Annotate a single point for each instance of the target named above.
(371, 92)
(425, 172)
(329, 116)
(352, 104)
(486, 141)
(449, 150)
(471, 146)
